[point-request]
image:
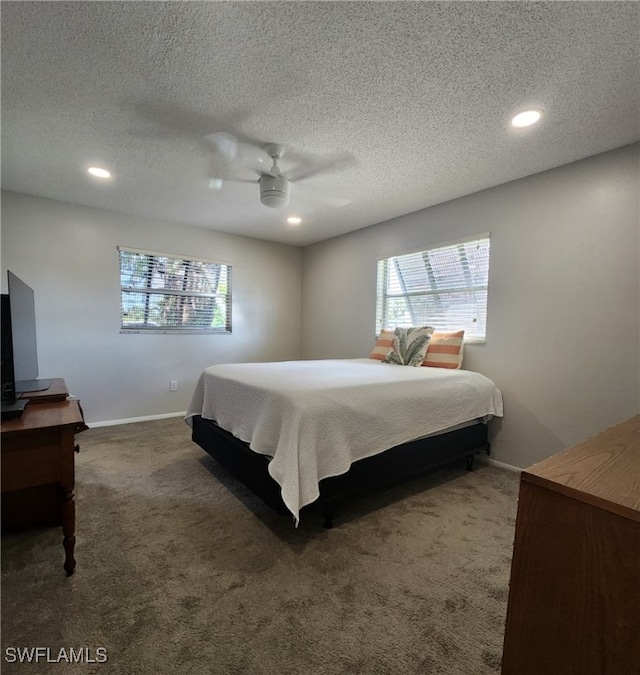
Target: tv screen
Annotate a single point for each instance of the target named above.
(23, 329)
(8, 380)
(23, 337)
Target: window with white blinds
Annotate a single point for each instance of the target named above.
(163, 293)
(444, 287)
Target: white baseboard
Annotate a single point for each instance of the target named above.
(129, 420)
(502, 465)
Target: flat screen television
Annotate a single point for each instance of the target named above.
(19, 342)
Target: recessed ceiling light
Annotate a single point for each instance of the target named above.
(526, 118)
(98, 172)
(294, 220)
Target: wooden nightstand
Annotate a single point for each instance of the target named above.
(38, 454)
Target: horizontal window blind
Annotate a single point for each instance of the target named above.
(444, 287)
(164, 293)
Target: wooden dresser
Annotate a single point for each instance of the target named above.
(38, 464)
(574, 597)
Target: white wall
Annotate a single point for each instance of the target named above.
(68, 255)
(563, 336)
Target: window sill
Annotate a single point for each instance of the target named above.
(180, 331)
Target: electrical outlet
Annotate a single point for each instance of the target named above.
(173, 385)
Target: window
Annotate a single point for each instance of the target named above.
(443, 287)
(162, 293)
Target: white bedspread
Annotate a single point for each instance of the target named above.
(315, 418)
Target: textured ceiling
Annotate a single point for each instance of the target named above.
(404, 104)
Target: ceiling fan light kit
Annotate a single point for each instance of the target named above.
(274, 191)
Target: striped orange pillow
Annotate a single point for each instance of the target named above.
(445, 350)
(383, 345)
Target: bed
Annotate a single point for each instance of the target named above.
(315, 432)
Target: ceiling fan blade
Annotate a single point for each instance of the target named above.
(332, 164)
(235, 151)
(326, 197)
(226, 144)
(220, 171)
(215, 183)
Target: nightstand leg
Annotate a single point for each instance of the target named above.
(69, 530)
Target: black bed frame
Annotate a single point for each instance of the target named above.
(388, 468)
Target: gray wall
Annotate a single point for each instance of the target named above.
(563, 336)
(68, 255)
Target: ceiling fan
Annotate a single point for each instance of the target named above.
(275, 188)
(232, 152)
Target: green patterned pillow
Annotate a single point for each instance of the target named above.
(409, 346)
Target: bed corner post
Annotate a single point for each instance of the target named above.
(328, 517)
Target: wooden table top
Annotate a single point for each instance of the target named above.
(603, 470)
(44, 415)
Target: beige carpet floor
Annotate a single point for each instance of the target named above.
(182, 571)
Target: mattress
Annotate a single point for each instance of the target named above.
(315, 418)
